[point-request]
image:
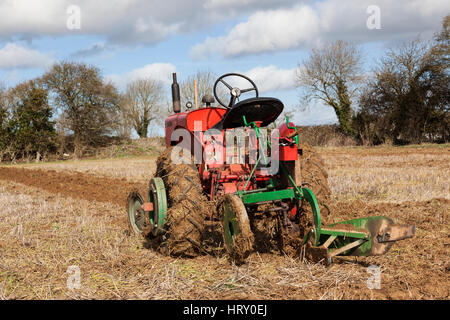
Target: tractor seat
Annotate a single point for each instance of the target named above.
(265, 110)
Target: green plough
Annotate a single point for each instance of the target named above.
(357, 237)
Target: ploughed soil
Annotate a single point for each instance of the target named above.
(415, 268)
(75, 185)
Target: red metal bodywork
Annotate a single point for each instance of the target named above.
(284, 130)
(221, 178)
(206, 117)
(287, 152)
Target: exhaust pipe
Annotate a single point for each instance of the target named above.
(176, 94)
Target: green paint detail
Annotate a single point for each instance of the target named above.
(367, 225)
(291, 180)
(296, 138)
(231, 226)
(270, 184)
(255, 127)
(342, 241)
(346, 234)
(364, 229)
(309, 196)
(359, 222)
(343, 237)
(255, 197)
(252, 173)
(157, 196)
(263, 156)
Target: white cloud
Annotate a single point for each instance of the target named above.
(271, 25)
(400, 19)
(271, 78)
(304, 25)
(267, 78)
(22, 16)
(213, 4)
(158, 71)
(264, 31)
(234, 6)
(14, 56)
(124, 22)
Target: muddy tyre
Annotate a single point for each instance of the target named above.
(188, 207)
(238, 237)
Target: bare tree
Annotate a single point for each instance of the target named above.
(124, 122)
(332, 75)
(205, 83)
(143, 104)
(441, 48)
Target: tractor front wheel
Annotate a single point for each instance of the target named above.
(136, 215)
(238, 237)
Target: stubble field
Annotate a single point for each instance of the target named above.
(64, 219)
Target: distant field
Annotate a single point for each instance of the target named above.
(62, 214)
(135, 169)
(393, 174)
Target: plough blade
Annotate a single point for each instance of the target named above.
(396, 232)
(358, 237)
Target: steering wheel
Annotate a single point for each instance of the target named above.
(235, 92)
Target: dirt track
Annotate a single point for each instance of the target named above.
(75, 185)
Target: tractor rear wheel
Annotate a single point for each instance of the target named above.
(188, 207)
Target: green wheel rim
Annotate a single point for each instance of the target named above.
(237, 234)
(157, 196)
(136, 216)
(231, 226)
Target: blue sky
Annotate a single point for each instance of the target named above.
(263, 39)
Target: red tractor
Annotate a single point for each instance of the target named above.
(222, 186)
